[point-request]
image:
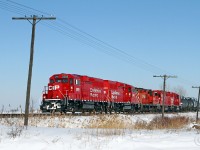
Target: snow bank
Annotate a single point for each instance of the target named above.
(69, 133)
(38, 138)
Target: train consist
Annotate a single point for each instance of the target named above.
(72, 93)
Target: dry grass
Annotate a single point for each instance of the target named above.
(110, 122)
(109, 125)
(177, 122)
(117, 125)
(117, 122)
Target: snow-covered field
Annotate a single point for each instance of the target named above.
(72, 133)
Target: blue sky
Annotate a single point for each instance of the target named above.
(162, 33)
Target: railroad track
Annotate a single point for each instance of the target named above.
(20, 115)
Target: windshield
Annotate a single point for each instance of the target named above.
(61, 80)
(51, 81)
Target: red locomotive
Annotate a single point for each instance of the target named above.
(71, 92)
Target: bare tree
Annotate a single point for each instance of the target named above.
(2, 109)
(180, 90)
(32, 105)
(20, 109)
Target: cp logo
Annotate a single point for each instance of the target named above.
(55, 87)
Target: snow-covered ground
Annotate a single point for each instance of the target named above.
(73, 134)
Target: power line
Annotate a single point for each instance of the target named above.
(77, 34)
(10, 7)
(29, 7)
(97, 46)
(110, 46)
(114, 51)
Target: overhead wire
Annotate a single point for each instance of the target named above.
(103, 45)
(64, 32)
(110, 46)
(118, 52)
(77, 34)
(97, 46)
(13, 8)
(34, 10)
(93, 45)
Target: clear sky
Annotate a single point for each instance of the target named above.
(146, 34)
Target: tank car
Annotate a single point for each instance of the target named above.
(188, 104)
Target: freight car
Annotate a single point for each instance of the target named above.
(71, 93)
(188, 104)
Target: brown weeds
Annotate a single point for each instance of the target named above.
(109, 122)
(176, 122)
(109, 125)
(124, 122)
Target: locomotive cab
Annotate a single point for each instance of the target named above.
(58, 92)
(55, 92)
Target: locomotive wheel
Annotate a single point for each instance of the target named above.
(73, 111)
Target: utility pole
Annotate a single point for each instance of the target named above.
(35, 20)
(197, 103)
(165, 77)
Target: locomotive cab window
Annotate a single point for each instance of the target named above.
(150, 93)
(77, 82)
(58, 80)
(71, 81)
(51, 81)
(134, 90)
(64, 80)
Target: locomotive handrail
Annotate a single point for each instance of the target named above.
(64, 97)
